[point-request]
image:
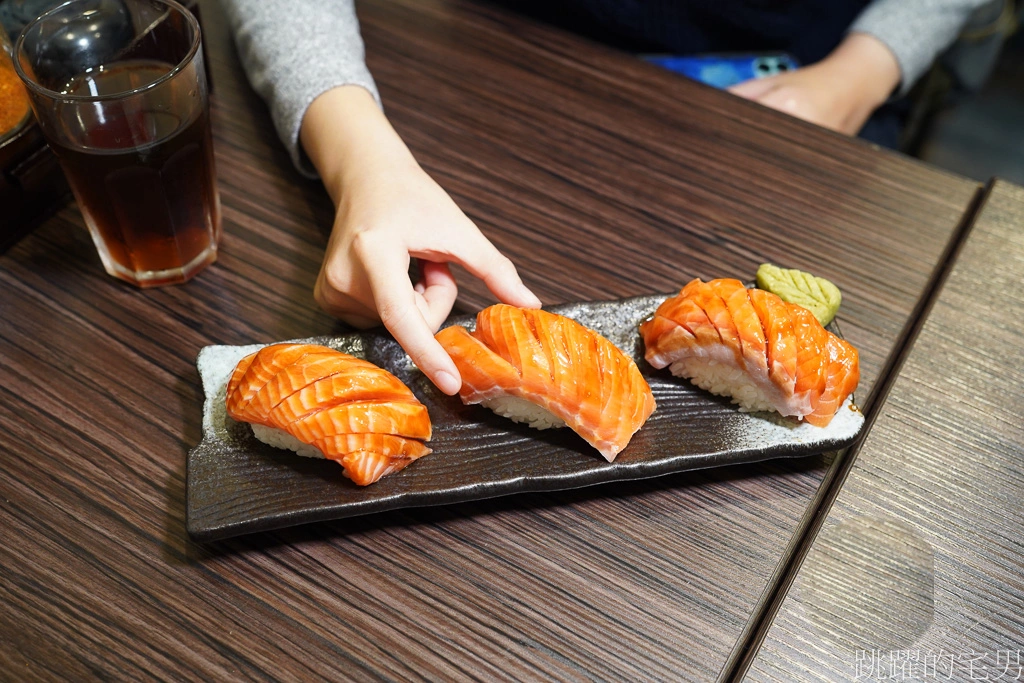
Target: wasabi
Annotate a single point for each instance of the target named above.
(816, 294)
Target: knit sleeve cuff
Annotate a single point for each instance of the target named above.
(295, 51)
(916, 31)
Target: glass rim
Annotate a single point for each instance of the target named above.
(39, 89)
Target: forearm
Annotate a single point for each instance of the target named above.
(346, 136)
(839, 92)
(867, 71)
(295, 50)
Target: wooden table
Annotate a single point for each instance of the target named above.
(916, 573)
(601, 177)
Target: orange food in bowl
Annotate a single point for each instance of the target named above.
(13, 98)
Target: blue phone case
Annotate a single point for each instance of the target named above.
(724, 70)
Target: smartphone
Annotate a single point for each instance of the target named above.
(724, 70)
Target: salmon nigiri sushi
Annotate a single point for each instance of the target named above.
(547, 370)
(750, 345)
(321, 402)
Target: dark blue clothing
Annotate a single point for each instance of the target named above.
(807, 29)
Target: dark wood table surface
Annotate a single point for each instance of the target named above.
(601, 177)
(916, 573)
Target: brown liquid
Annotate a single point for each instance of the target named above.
(144, 177)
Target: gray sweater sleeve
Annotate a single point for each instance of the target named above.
(294, 51)
(915, 30)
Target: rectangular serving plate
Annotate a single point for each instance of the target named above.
(238, 485)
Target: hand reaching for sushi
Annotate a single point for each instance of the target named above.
(839, 92)
(390, 211)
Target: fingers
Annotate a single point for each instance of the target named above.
(783, 93)
(396, 303)
(753, 89)
(336, 299)
(436, 292)
(347, 309)
(365, 273)
(484, 261)
(433, 299)
(784, 100)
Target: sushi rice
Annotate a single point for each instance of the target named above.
(724, 379)
(523, 411)
(278, 438)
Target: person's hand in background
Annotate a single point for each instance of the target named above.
(390, 211)
(840, 92)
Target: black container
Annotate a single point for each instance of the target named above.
(32, 185)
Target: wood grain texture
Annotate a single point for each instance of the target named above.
(602, 177)
(933, 500)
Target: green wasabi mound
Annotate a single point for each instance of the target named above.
(816, 294)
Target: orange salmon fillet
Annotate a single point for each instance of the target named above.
(812, 361)
(368, 457)
(366, 467)
(386, 444)
(260, 368)
(780, 341)
(398, 418)
(843, 376)
(287, 380)
(353, 384)
(786, 360)
(556, 364)
(752, 341)
(354, 412)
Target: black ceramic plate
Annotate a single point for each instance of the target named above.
(237, 485)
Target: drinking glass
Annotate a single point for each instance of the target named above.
(120, 93)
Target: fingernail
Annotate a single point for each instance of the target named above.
(447, 382)
(529, 296)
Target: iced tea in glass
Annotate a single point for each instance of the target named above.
(120, 92)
